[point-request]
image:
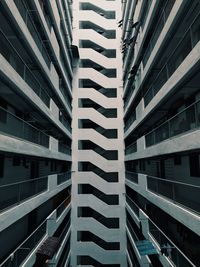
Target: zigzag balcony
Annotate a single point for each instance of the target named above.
(108, 24)
(93, 115)
(101, 50)
(88, 63)
(97, 97)
(95, 181)
(93, 250)
(86, 189)
(90, 104)
(89, 145)
(111, 177)
(90, 84)
(87, 236)
(99, 58)
(97, 38)
(88, 125)
(107, 33)
(101, 79)
(98, 160)
(92, 225)
(103, 142)
(89, 261)
(98, 9)
(109, 222)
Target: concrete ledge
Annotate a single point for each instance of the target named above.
(189, 219)
(181, 74)
(180, 143)
(168, 27)
(13, 144)
(9, 216)
(22, 88)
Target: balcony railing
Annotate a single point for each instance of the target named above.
(46, 16)
(174, 254)
(24, 250)
(27, 17)
(12, 56)
(63, 177)
(64, 149)
(129, 94)
(15, 193)
(65, 230)
(146, 9)
(131, 119)
(15, 126)
(183, 48)
(180, 193)
(60, 209)
(132, 148)
(158, 28)
(133, 205)
(66, 97)
(184, 121)
(65, 122)
(132, 176)
(132, 232)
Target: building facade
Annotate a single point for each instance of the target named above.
(161, 58)
(35, 124)
(98, 190)
(76, 188)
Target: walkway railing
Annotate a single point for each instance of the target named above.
(60, 209)
(21, 252)
(158, 28)
(183, 48)
(132, 176)
(27, 17)
(13, 57)
(64, 121)
(130, 121)
(63, 177)
(132, 148)
(179, 192)
(17, 127)
(183, 121)
(174, 254)
(133, 205)
(15, 193)
(64, 149)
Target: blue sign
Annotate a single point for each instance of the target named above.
(145, 247)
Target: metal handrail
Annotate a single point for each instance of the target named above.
(132, 144)
(132, 172)
(131, 230)
(61, 204)
(24, 181)
(63, 201)
(174, 245)
(171, 55)
(177, 114)
(25, 123)
(60, 181)
(133, 201)
(172, 181)
(36, 31)
(172, 191)
(162, 15)
(19, 247)
(24, 63)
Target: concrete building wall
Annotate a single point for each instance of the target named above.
(96, 22)
(161, 117)
(35, 128)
